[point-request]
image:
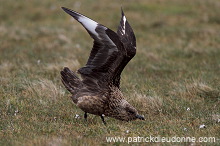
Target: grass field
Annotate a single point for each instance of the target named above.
(174, 80)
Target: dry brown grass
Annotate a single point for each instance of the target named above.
(147, 103)
(195, 90)
(44, 89)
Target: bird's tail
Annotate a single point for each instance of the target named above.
(70, 80)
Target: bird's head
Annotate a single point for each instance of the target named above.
(126, 112)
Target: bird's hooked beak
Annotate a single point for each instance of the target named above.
(140, 117)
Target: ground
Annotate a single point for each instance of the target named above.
(174, 80)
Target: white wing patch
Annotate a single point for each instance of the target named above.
(89, 24)
(124, 21)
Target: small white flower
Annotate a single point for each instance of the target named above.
(77, 116)
(103, 115)
(185, 129)
(188, 109)
(38, 62)
(127, 131)
(202, 126)
(16, 111)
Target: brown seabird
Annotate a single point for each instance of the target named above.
(98, 91)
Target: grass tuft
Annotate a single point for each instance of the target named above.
(147, 103)
(197, 89)
(43, 89)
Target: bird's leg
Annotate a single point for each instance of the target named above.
(103, 120)
(85, 116)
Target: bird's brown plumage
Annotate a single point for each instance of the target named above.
(99, 92)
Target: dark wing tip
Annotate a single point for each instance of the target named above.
(122, 12)
(71, 12)
(65, 9)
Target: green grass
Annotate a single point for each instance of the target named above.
(174, 80)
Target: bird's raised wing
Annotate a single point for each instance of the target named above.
(127, 37)
(108, 56)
